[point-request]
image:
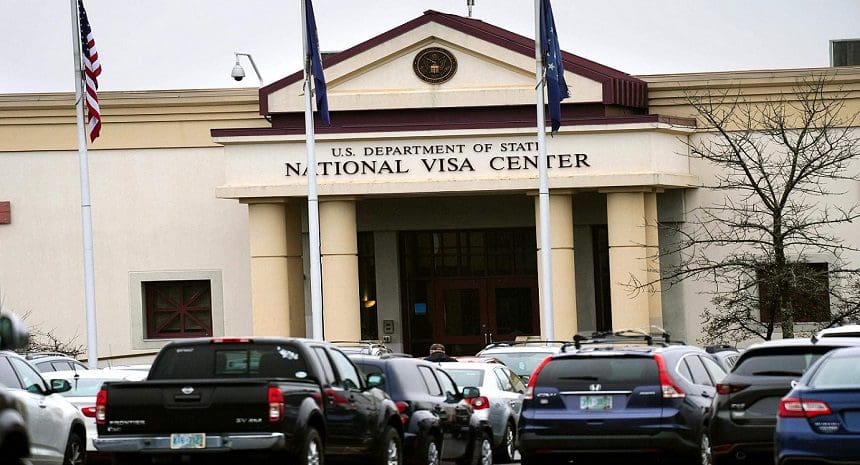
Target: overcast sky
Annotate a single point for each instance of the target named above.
(179, 44)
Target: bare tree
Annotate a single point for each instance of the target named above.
(778, 166)
(46, 340)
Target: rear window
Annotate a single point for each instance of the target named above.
(778, 361)
(579, 373)
(230, 361)
(522, 363)
(466, 377)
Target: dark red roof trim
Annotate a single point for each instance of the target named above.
(618, 88)
(442, 119)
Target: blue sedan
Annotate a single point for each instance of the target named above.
(819, 419)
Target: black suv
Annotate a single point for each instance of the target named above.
(743, 420)
(619, 393)
(438, 420)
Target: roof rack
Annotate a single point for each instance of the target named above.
(524, 342)
(712, 349)
(626, 336)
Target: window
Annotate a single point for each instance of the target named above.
(504, 382)
(432, 385)
(448, 384)
(810, 299)
(7, 375)
(326, 365)
(140, 320)
(348, 373)
(700, 374)
(30, 378)
(178, 309)
(716, 371)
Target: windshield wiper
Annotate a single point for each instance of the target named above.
(777, 373)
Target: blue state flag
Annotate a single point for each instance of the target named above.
(316, 63)
(556, 87)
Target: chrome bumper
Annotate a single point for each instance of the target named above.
(216, 442)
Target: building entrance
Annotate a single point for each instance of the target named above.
(466, 289)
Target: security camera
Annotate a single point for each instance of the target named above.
(238, 72)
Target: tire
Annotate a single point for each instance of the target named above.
(706, 457)
(76, 450)
(311, 452)
(505, 452)
(430, 451)
(480, 452)
(390, 448)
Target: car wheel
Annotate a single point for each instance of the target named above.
(76, 450)
(390, 452)
(480, 452)
(430, 452)
(311, 452)
(705, 455)
(505, 451)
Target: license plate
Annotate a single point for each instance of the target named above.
(595, 403)
(188, 441)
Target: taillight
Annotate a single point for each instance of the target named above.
(792, 407)
(101, 407)
(530, 391)
(670, 389)
(276, 404)
(479, 403)
(89, 412)
(730, 388)
(403, 410)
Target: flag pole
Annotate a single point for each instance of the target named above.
(313, 201)
(86, 216)
(548, 327)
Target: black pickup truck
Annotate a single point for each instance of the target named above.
(283, 400)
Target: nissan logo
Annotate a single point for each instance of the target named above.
(188, 390)
(594, 387)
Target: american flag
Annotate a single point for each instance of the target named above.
(92, 70)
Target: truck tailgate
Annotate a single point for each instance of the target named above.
(191, 406)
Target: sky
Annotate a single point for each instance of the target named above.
(189, 44)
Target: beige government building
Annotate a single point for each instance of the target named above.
(428, 206)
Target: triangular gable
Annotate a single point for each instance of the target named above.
(495, 67)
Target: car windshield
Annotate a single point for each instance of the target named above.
(837, 372)
(778, 361)
(466, 377)
(522, 363)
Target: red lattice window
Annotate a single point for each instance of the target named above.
(177, 309)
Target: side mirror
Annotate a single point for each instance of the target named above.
(13, 333)
(375, 380)
(471, 392)
(60, 385)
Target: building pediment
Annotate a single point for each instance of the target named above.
(494, 67)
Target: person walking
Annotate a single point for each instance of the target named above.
(437, 354)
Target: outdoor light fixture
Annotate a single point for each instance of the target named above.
(238, 72)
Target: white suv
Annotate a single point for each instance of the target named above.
(55, 427)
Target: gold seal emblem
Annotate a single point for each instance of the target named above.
(435, 65)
